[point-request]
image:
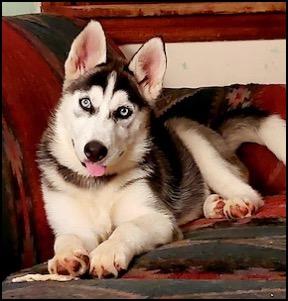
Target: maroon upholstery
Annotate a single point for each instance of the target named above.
(267, 174)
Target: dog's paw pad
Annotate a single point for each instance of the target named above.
(70, 263)
(238, 207)
(102, 272)
(99, 272)
(118, 266)
(213, 206)
(109, 259)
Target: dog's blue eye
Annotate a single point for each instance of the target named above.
(123, 112)
(85, 103)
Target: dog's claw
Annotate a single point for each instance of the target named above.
(217, 207)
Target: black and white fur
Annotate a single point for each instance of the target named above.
(116, 180)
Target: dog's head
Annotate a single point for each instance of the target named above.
(101, 121)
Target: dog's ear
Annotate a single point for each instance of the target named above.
(148, 66)
(87, 51)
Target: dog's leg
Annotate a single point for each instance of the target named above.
(129, 239)
(272, 133)
(70, 256)
(75, 235)
(239, 198)
(269, 131)
(141, 224)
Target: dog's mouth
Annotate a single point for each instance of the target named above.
(95, 169)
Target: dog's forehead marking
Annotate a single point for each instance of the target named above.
(108, 93)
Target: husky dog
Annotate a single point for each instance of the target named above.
(117, 181)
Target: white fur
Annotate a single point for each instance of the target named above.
(91, 217)
(87, 51)
(131, 238)
(70, 247)
(272, 133)
(149, 67)
(212, 166)
(237, 135)
(117, 137)
(230, 208)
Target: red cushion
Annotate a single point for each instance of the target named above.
(267, 174)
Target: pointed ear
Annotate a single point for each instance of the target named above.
(87, 51)
(148, 66)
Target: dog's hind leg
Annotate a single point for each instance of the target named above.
(238, 198)
(269, 131)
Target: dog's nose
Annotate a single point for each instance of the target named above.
(95, 151)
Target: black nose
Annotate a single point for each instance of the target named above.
(95, 151)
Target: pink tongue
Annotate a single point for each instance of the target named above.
(96, 170)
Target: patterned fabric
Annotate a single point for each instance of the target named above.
(223, 261)
(223, 254)
(148, 289)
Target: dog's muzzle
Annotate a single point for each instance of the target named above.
(95, 151)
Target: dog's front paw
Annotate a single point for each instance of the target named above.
(74, 263)
(213, 206)
(238, 207)
(109, 259)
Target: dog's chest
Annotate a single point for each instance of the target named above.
(84, 212)
(96, 205)
(97, 211)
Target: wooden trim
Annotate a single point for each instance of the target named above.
(197, 28)
(47, 5)
(163, 9)
(217, 24)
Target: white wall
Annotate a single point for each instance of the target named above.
(206, 63)
(19, 8)
(203, 64)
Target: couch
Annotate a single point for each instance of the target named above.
(216, 259)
